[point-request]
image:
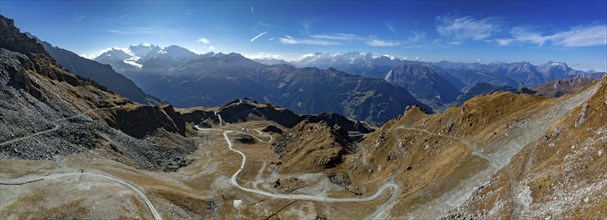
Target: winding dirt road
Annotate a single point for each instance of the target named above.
(388, 185)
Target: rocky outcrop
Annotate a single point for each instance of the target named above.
(241, 110)
(312, 147)
(140, 121)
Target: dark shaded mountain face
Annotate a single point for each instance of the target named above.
(425, 83)
(481, 89)
(100, 73)
(47, 112)
(214, 79)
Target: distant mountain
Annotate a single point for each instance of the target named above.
(214, 79)
(558, 88)
(511, 74)
(472, 73)
(424, 82)
(133, 58)
(482, 88)
(121, 60)
(460, 75)
(428, 83)
(100, 73)
(271, 61)
(364, 64)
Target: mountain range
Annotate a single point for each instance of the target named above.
(186, 79)
(436, 85)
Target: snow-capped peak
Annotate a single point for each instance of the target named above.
(137, 55)
(390, 57)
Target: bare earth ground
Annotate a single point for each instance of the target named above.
(89, 186)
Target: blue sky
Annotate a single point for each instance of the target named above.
(466, 31)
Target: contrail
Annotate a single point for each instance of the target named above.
(252, 11)
(255, 38)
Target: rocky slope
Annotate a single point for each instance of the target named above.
(48, 112)
(560, 175)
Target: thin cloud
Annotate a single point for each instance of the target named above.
(416, 36)
(79, 18)
(204, 40)
(583, 36)
(252, 10)
(337, 36)
(390, 27)
(306, 27)
(290, 41)
(382, 43)
(580, 36)
(258, 36)
(134, 31)
(466, 28)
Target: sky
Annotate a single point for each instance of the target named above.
(462, 31)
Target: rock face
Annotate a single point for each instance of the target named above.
(100, 73)
(241, 110)
(48, 111)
